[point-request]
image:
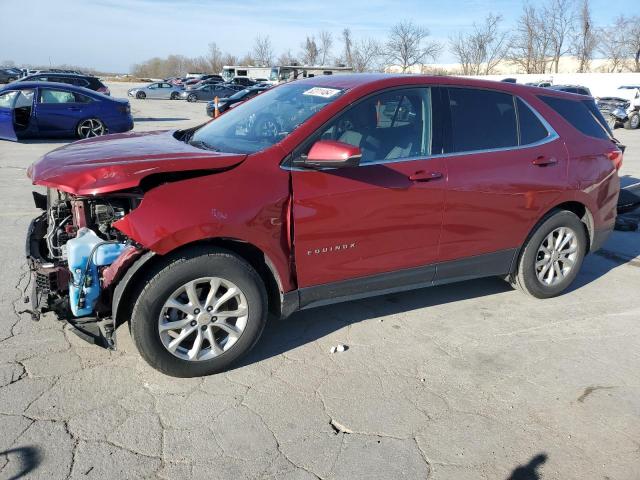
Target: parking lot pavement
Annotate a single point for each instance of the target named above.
(467, 381)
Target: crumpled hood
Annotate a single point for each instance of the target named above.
(121, 161)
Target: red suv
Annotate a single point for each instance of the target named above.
(317, 191)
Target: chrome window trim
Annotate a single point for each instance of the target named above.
(552, 136)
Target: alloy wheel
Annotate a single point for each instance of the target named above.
(91, 128)
(556, 256)
(203, 319)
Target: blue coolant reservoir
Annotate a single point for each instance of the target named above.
(84, 287)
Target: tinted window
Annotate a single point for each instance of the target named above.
(389, 126)
(578, 114)
(24, 99)
(531, 128)
(481, 120)
(82, 98)
(595, 111)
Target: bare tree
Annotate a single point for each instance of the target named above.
(229, 59)
(326, 42)
(407, 45)
(214, 57)
(365, 55)
(531, 44)
(263, 51)
(560, 25)
(480, 51)
(309, 54)
(614, 44)
(247, 59)
(633, 37)
(286, 58)
(348, 44)
(585, 40)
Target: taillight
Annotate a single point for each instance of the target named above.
(616, 158)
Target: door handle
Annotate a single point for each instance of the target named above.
(543, 161)
(422, 176)
(74, 109)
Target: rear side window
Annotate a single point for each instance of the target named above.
(531, 128)
(578, 114)
(482, 120)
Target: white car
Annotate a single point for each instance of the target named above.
(624, 105)
(162, 90)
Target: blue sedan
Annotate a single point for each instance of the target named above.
(47, 109)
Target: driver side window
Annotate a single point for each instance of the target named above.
(390, 126)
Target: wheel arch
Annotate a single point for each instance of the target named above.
(129, 287)
(578, 208)
(90, 117)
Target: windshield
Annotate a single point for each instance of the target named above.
(265, 120)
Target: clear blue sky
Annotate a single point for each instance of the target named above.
(113, 34)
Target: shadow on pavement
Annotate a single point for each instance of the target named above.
(159, 119)
(530, 470)
(29, 457)
(309, 325)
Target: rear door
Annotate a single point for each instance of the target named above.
(506, 164)
(7, 131)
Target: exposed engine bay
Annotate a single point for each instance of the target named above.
(74, 251)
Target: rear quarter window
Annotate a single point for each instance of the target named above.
(578, 114)
(531, 128)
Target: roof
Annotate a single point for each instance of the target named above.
(61, 86)
(374, 81)
(61, 74)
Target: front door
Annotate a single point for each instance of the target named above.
(382, 216)
(7, 131)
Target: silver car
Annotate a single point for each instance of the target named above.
(162, 90)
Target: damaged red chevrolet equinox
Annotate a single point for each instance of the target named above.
(317, 191)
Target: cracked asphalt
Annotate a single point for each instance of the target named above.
(466, 381)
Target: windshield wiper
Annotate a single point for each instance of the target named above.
(203, 145)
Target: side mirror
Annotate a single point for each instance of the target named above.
(332, 154)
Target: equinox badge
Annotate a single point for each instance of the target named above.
(333, 248)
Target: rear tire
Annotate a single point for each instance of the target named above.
(633, 121)
(192, 98)
(552, 256)
(91, 127)
(178, 294)
(175, 95)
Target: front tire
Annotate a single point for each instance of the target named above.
(141, 95)
(552, 256)
(199, 313)
(633, 121)
(192, 98)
